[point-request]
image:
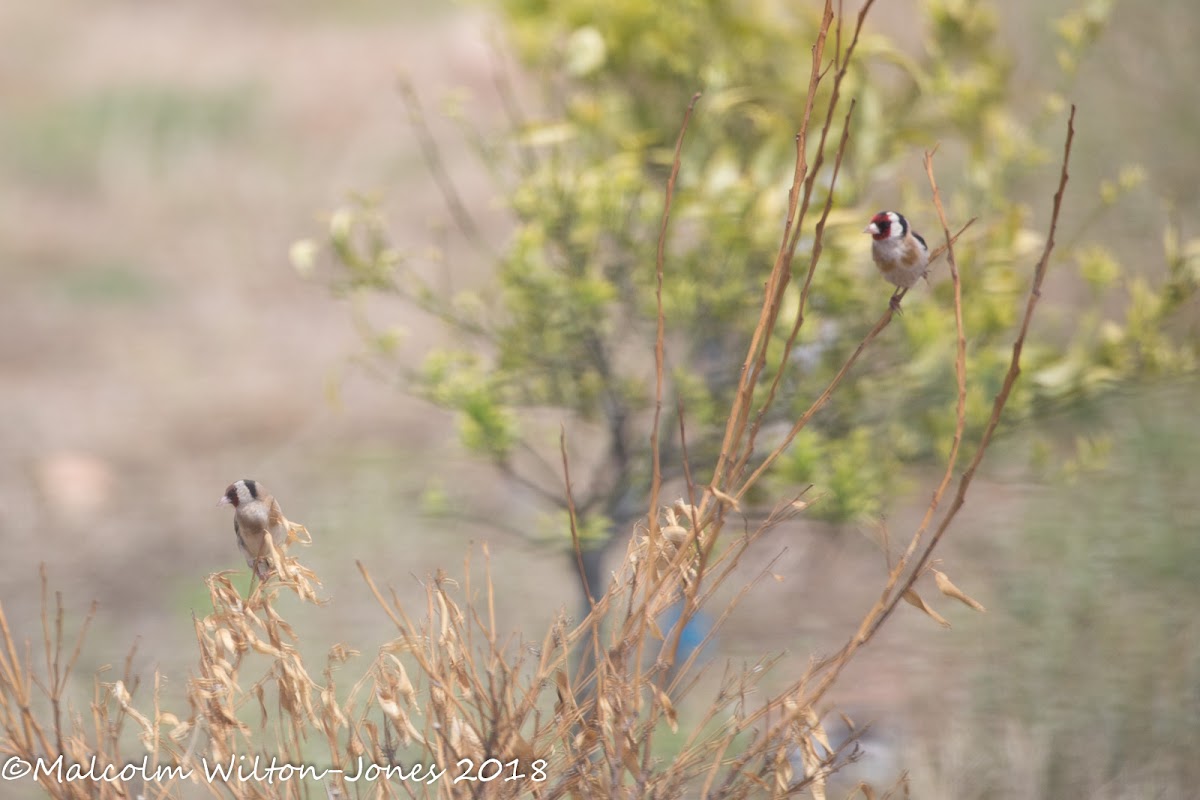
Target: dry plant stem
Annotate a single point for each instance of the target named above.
(960, 374)
(671, 648)
(690, 605)
(942, 248)
(491, 594)
(1010, 379)
(659, 377)
(640, 614)
(895, 571)
(960, 366)
(894, 593)
(23, 730)
(59, 677)
(695, 522)
(817, 247)
(660, 318)
(780, 272)
(818, 232)
(685, 459)
(817, 405)
(821, 400)
(726, 612)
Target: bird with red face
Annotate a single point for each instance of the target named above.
(899, 252)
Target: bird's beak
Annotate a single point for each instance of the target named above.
(224, 501)
(871, 229)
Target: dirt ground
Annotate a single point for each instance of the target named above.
(155, 341)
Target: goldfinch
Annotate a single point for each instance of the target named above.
(256, 513)
(899, 252)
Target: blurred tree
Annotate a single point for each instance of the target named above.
(568, 326)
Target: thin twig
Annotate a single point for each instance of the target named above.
(831, 668)
(818, 246)
(883, 610)
(1010, 379)
(817, 405)
(660, 334)
(803, 178)
(960, 368)
(780, 272)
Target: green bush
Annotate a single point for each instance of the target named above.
(570, 324)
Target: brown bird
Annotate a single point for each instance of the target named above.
(900, 253)
(256, 514)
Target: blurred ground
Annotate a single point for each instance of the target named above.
(156, 343)
(156, 163)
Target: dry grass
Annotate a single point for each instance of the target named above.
(448, 689)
